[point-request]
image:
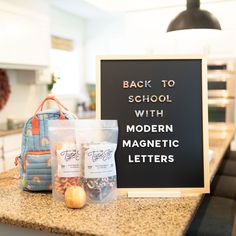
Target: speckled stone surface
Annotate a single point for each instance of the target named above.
(9, 132)
(162, 216)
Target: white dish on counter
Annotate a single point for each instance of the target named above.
(210, 155)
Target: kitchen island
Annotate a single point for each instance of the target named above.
(135, 216)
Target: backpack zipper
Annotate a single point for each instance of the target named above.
(16, 160)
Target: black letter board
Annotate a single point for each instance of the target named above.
(161, 107)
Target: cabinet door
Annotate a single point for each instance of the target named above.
(24, 39)
(11, 149)
(9, 159)
(12, 142)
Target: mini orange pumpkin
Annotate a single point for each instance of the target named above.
(75, 197)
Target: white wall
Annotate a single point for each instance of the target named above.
(138, 32)
(147, 30)
(103, 36)
(71, 27)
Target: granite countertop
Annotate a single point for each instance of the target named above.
(10, 132)
(149, 216)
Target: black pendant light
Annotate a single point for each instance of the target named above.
(194, 18)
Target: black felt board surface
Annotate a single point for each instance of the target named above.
(184, 113)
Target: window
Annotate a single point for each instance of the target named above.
(65, 65)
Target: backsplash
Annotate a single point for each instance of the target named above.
(24, 98)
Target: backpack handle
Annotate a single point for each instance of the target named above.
(35, 120)
(60, 106)
(52, 98)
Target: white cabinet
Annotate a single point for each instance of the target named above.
(25, 36)
(1, 165)
(1, 156)
(9, 159)
(12, 142)
(11, 149)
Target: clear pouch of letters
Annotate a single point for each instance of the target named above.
(83, 154)
(97, 140)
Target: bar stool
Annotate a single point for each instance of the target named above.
(232, 155)
(224, 186)
(228, 167)
(234, 227)
(215, 217)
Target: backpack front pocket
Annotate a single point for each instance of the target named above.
(37, 170)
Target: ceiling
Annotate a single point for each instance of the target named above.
(80, 8)
(132, 5)
(102, 8)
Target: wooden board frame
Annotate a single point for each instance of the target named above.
(165, 192)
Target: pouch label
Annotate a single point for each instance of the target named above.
(69, 161)
(100, 160)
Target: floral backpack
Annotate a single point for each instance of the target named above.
(35, 159)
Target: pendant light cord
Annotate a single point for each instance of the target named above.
(193, 4)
